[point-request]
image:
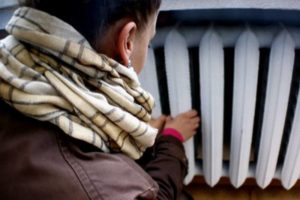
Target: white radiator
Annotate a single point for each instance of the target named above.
(247, 150)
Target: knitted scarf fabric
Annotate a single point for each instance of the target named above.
(49, 72)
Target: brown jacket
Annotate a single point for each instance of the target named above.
(38, 161)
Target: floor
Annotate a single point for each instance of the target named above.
(224, 191)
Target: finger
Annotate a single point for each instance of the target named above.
(191, 113)
(193, 133)
(195, 120)
(169, 118)
(162, 118)
(165, 116)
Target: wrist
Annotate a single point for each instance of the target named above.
(172, 132)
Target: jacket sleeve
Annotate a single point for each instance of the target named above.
(166, 163)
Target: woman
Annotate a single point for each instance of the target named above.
(74, 64)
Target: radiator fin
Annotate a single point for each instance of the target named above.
(148, 78)
(179, 88)
(278, 88)
(245, 85)
(211, 55)
(291, 166)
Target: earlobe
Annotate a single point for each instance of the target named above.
(126, 41)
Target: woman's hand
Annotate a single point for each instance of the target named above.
(185, 123)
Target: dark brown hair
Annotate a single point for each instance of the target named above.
(93, 17)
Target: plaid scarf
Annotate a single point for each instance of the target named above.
(49, 72)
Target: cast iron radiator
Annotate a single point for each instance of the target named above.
(242, 75)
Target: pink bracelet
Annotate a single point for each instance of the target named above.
(172, 132)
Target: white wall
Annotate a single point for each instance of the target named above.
(8, 3)
(6, 9)
(208, 4)
(6, 12)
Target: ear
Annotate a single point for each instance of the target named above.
(126, 40)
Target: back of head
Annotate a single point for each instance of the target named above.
(94, 17)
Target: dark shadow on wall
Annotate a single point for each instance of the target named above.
(229, 17)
